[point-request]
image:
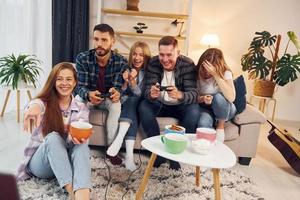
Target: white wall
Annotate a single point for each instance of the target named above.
(235, 21)
(126, 23)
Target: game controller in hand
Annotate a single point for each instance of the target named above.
(165, 88)
(104, 95)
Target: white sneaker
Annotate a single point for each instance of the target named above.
(220, 135)
(114, 148)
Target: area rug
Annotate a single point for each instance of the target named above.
(163, 184)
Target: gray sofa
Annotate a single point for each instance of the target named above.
(241, 133)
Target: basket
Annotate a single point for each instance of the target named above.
(263, 88)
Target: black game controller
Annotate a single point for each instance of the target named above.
(104, 95)
(165, 88)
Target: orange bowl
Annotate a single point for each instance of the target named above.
(80, 130)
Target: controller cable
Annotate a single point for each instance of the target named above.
(131, 173)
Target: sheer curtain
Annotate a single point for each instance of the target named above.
(26, 28)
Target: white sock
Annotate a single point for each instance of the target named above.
(129, 158)
(115, 147)
(220, 135)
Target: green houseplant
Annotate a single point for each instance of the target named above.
(266, 66)
(21, 68)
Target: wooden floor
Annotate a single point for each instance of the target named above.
(272, 174)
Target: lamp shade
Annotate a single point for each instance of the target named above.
(210, 40)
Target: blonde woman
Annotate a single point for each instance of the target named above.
(51, 151)
(216, 91)
(132, 95)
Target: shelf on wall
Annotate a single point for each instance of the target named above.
(144, 14)
(125, 38)
(146, 35)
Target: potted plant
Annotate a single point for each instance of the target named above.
(133, 5)
(14, 69)
(270, 69)
(140, 26)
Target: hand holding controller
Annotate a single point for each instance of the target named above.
(104, 95)
(165, 88)
(154, 91)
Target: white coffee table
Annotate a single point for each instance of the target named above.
(218, 158)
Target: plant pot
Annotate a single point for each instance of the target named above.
(133, 5)
(263, 88)
(139, 31)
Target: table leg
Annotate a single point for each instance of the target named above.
(274, 108)
(262, 104)
(216, 174)
(5, 102)
(197, 176)
(29, 95)
(251, 99)
(139, 193)
(18, 106)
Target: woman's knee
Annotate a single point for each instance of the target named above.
(145, 108)
(220, 103)
(53, 138)
(219, 99)
(131, 101)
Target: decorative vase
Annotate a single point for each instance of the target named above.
(133, 5)
(263, 88)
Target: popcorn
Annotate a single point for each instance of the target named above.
(202, 146)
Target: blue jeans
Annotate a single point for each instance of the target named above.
(220, 109)
(129, 114)
(69, 163)
(187, 115)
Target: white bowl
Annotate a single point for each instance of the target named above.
(202, 146)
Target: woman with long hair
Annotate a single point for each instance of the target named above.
(216, 91)
(51, 151)
(132, 94)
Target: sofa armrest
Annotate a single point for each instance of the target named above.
(250, 115)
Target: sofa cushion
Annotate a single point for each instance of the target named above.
(240, 94)
(231, 131)
(249, 116)
(97, 117)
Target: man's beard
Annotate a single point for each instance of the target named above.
(102, 52)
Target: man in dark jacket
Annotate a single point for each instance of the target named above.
(170, 91)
